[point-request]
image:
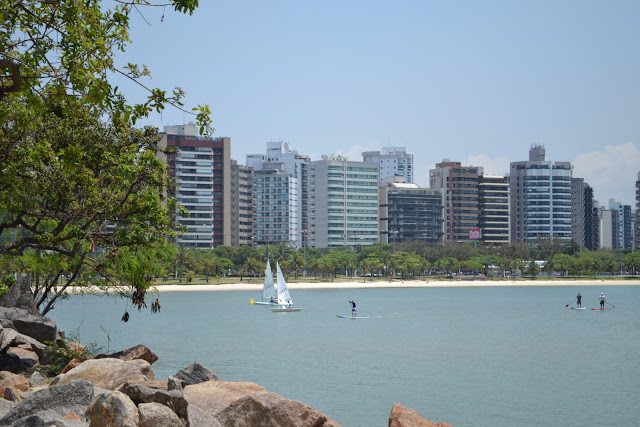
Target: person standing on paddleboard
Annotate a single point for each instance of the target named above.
(579, 298)
(353, 308)
(602, 300)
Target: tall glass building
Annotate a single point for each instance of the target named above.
(540, 193)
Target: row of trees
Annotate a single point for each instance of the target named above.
(404, 260)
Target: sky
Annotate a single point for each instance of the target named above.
(470, 81)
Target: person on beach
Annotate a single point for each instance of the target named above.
(579, 298)
(602, 300)
(353, 308)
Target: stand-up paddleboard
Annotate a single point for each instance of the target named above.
(351, 317)
(600, 309)
(578, 308)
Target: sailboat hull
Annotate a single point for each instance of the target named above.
(264, 303)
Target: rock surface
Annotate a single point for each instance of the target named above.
(248, 404)
(38, 327)
(196, 373)
(113, 409)
(156, 414)
(54, 401)
(405, 417)
(20, 295)
(108, 373)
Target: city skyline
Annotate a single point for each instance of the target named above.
(472, 82)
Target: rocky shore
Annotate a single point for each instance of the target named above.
(120, 389)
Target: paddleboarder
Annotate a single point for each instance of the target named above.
(353, 308)
(579, 298)
(602, 300)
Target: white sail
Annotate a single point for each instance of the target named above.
(268, 291)
(284, 298)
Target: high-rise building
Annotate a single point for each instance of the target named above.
(458, 186)
(591, 220)
(409, 212)
(280, 157)
(243, 205)
(585, 224)
(276, 208)
(609, 228)
(343, 203)
(624, 237)
(493, 207)
(392, 162)
(201, 168)
(637, 226)
(540, 197)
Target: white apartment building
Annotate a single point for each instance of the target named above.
(280, 157)
(392, 162)
(343, 203)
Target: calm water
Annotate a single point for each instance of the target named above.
(466, 356)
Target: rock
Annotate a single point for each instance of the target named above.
(11, 395)
(20, 295)
(156, 384)
(173, 399)
(108, 373)
(16, 382)
(133, 353)
(38, 327)
(36, 379)
(272, 410)
(12, 338)
(5, 407)
(76, 361)
(12, 363)
(52, 402)
(405, 417)
(247, 404)
(195, 374)
(174, 383)
(113, 409)
(156, 414)
(27, 357)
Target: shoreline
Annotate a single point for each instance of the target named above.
(396, 284)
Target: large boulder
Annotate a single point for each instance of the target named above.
(247, 404)
(173, 399)
(156, 414)
(405, 417)
(38, 327)
(196, 373)
(12, 363)
(20, 295)
(138, 352)
(12, 338)
(113, 409)
(52, 403)
(108, 373)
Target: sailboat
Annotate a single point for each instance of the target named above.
(284, 298)
(268, 290)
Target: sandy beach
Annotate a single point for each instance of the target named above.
(397, 284)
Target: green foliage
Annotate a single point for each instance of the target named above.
(61, 352)
(6, 282)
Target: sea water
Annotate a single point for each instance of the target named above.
(467, 356)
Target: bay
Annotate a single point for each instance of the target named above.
(468, 356)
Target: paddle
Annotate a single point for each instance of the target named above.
(610, 304)
(569, 303)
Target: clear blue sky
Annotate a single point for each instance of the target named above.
(471, 81)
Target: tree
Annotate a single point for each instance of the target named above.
(563, 263)
(76, 177)
(632, 261)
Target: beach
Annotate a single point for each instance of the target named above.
(256, 286)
